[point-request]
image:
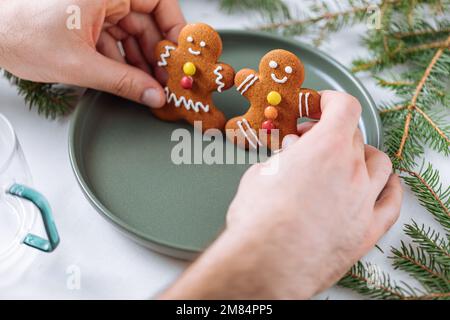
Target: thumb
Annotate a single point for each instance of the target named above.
(104, 74)
(289, 140)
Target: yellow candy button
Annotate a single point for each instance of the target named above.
(274, 98)
(189, 69)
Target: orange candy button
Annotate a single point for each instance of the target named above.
(271, 113)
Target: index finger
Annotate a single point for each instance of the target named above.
(340, 111)
(167, 14)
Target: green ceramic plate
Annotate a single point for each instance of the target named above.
(121, 155)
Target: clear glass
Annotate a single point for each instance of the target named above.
(17, 216)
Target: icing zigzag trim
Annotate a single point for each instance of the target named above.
(165, 55)
(187, 103)
(219, 82)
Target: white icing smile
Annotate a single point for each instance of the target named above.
(281, 81)
(202, 43)
(195, 53)
(274, 65)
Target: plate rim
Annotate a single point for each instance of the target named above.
(156, 244)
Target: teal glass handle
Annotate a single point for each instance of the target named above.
(34, 241)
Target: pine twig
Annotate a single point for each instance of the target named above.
(422, 266)
(418, 264)
(441, 45)
(366, 279)
(400, 35)
(428, 187)
(430, 241)
(48, 99)
(396, 83)
(432, 123)
(417, 92)
(432, 296)
(272, 8)
(369, 283)
(312, 20)
(398, 155)
(393, 109)
(427, 46)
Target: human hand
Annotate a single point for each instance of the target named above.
(296, 232)
(37, 45)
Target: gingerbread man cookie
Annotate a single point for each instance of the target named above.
(276, 101)
(194, 74)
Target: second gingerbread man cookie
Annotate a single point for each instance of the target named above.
(276, 101)
(194, 74)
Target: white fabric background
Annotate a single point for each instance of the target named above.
(111, 265)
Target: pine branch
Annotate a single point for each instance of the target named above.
(430, 127)
(433, 296)
(418, 264)
(272, 8)
(393, 109)
(431, 193)
(400, 35)
(428, 70)
(367, 279)
(434, 132)
(413, 41)
(49, 99)
(301, 22)
(396, 85)
(430, 241)
(394, 131)
(398, 55)
(413, 107)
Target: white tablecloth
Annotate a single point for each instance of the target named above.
(110, 265)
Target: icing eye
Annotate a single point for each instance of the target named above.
(203, 44)
(273, 64)
(288, 70)
(190, 39)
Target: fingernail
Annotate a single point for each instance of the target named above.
(152, 98)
